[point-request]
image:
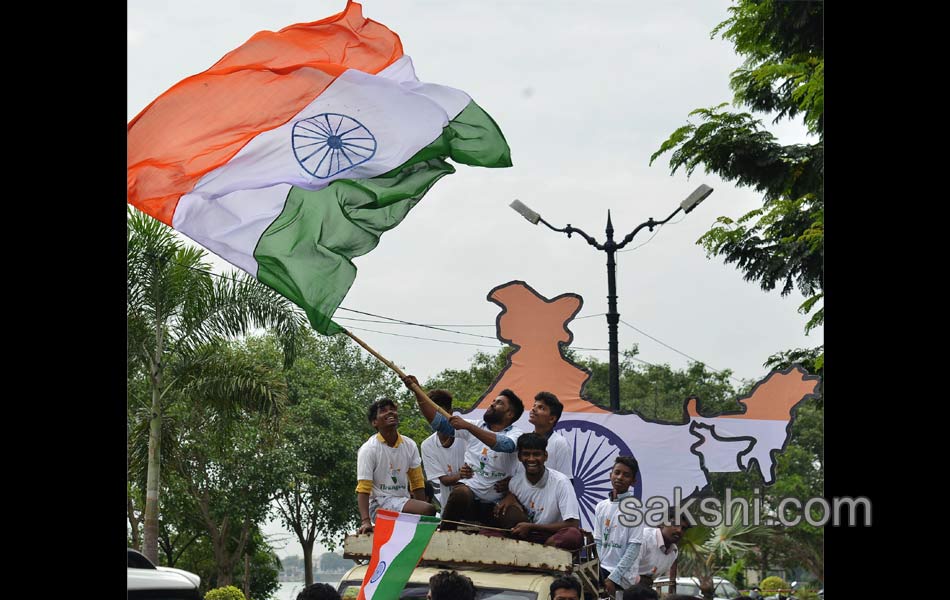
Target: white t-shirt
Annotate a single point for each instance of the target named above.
(560, 454)
(549, 501)
(387, 466)
(610, 535)
(437, 461)
(489, 466)
(653, 561)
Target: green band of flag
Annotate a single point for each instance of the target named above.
(306, 253)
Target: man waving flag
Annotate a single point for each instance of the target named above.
(292, 154)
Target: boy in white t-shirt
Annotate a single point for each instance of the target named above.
(544, 415)
(541, 505)
(442, 455)
(387, 467)
(659, 551)
(489, 454)
(618, 545)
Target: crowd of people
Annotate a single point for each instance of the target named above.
(509, 482)
(451, 585)
(444, 585)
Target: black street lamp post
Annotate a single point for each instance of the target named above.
(611, 247)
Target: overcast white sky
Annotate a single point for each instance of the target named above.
(584, 93)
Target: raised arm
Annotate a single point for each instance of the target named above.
(498, 442)
(426, 405)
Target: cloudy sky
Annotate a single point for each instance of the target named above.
(584, 93)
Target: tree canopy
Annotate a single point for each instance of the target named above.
(177, 312)
(781, 244)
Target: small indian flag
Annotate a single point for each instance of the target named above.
(399, 539)
(292, 154)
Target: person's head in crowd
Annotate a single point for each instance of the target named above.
(546, 411)
(640, 592)
(675, 526)
(623, 474)
(383, 414)
(505, 409)
(442, 399)
(566, 588)
(318, 591)
(450, 585)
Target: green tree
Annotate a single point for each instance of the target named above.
(174, 305)
(134, 513)
(257, 576)
(229, 473)
(774, 584)
(227, 592)
(331, 562)
(218, 387)
(782, 243)
(262, 566)
(657, 392)
(224, 451)
(799, 473)
(180, 526)
(137, 454)
(801, 469)
(330, 386)
(291, 562)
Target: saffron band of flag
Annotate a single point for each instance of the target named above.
(293, 154)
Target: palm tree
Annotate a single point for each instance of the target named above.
(174, 307)
(220, 392)
(706, 551)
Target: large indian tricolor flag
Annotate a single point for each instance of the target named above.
(292, 154)
(399, 540)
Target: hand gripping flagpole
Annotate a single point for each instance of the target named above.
(415, 387)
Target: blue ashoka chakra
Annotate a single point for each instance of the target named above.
(330, 143)
(594, 449)
(380, 569)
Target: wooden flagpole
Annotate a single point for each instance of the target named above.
(415, 387)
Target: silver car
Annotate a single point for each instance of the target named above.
(724, 590)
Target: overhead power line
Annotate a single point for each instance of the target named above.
(664, 344)
(435, 327)
(415, 337)
(445, 328)
(402, 322)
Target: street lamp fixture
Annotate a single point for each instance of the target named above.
(611, 247)
(693, 200)
(526, 212)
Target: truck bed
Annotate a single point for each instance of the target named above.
(463, 550)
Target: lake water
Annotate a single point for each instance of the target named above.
(288, 590)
